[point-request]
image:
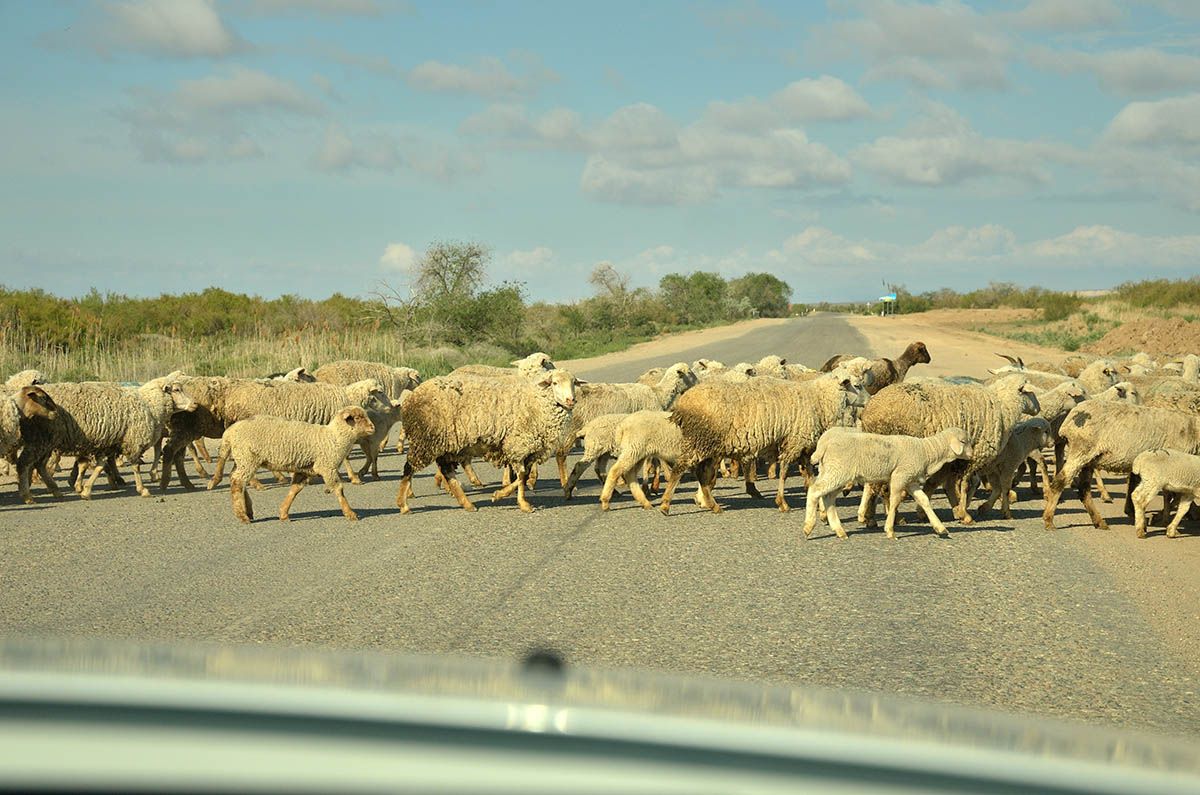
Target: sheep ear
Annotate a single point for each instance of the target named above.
(1010, 359)
(957, 445)
(545, 382)
(868, 378)
(580, 382)
(782, 361)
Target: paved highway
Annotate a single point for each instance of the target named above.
(1003, 614)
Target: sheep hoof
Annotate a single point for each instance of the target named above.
(352, 516)
(666, 510)
(405, 509)
(1102, 526)
(144, 492)
(527, 508)
(496, 496)
(283, 517)
(1141, 532)
(717, 508)
(1172, 534)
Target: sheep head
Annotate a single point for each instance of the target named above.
(917, 353)
(34, 402)
(357, 420)
(561, 384)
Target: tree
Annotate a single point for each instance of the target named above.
(451, 270)
(699, 297)
(766, 294)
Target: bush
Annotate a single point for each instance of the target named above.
(1059, 306)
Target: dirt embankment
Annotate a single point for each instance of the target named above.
(1169, 336)
(953, 349)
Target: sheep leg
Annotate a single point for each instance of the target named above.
(1101, 488)
(656, 483)
(866, 506)
(195, 446)
(1185, 502)
(610, 481)
(473, 478)
(26, 464)
(522, 485)
(923, 500)
(814, 500)
(506, 491)
(243, 507)
(1065, 476)
(180, 462)
(1170, 503)
(532, 478)
(1060, 446)
(707, 475)
(1130, 485)
(298, 481)
(351, 475)
(453, 486)
(635, 488)
(1085, 494)
(780, 501)
(334, 482)
(664, 504)
(405, 490)
(115, 481)
(1141, 498)
(895, 494)
(219, 467)
(964, 491)
(86, 492)
(573, 479)
(137, 476)
(561, 458)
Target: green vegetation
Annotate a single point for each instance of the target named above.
(446, 315)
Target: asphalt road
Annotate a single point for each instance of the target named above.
(1003, 614)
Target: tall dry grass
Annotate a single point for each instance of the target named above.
(146, 356)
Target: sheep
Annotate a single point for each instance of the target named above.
(1094, 378)
(905, 463)
(771, 366)
(1165, 471)
(1025, 443)
(314, 403)
(304, 449)
(651, 376)
(886, 371)
(1174, 393)
(18, 407)
(298, 375)
(1110, 435)
(987, 414)
(394, 380)
(531, 367)
(599, 446)
(97, 421)
(383, 414)
(640, 437)
(759, 417)
(707, 368)
(596, 399)
(23, 379)
(510, 422)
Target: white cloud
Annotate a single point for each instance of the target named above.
(171, 28)
(989, 246)
(488, 77)
(558, 128)
(943, 149)
(1067, 15)
(943, 45)
(398, 257)
(325, 7)
(821, 99)
(1141, 70)
(530, 258)
(214, 117)
(338, 152)
(1173, 122)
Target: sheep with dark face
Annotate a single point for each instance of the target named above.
(886, 372)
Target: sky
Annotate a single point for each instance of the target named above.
(318, 146)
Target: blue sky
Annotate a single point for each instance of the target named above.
(314, 146)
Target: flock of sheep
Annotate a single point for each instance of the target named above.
(856, 421)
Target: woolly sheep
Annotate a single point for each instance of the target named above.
(771, 366)
(884, 371)
(394, 380)
(639, 438)
(304, 449)
(1168, 471)
(987, 414)
(1025, 443)
(531, 367)
(513, 423)
(1094, 378)
(596, 399)
(98, 420)
(23, 379)
(599, 437)
(651, 376)
(298, 375)
(707, 368)
(761, 416)
(383, 415)
(905, 463)
(1110, 435)
(20, 406)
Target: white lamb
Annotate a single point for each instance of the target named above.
(902, 462)
(1168, 471)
